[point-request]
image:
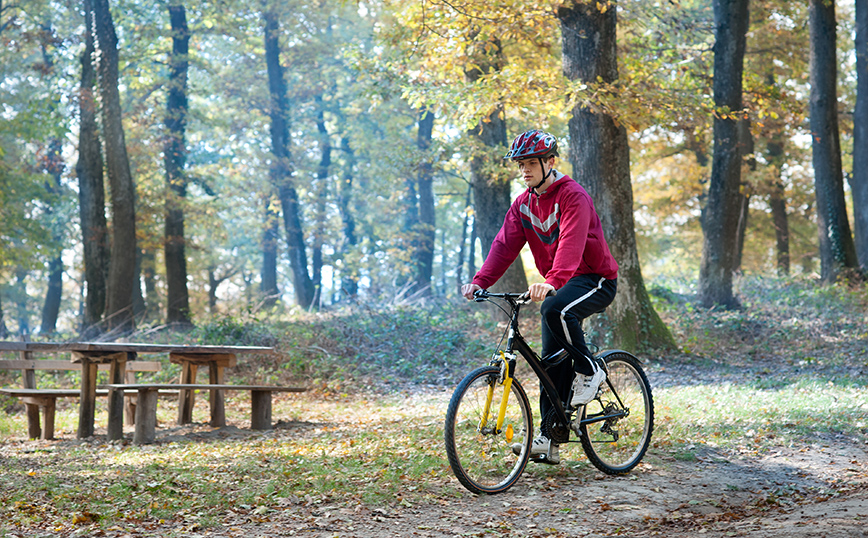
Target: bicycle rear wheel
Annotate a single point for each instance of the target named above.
(482, 458)
(616, 444)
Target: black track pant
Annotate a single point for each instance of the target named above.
(562, 317)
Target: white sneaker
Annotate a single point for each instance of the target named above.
(542, 450)
(585, 387)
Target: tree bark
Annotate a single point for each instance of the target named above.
(21, 309)
(349, 278)
(427, 227)
(600, 157)
(53, 166)
(837, 250)
(91, 189)
(778, 201)
(745, 191)
(322, 174)
(720, 217)
(271, 233)
(122, 267)
(465, 228)
(859, 178)
(54, 292)
(4, 330)
(175, 158)
(491, 191)
(280, 170)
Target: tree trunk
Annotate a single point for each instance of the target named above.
(859, 178)
(426, 232)
(837, 250)
(721, 214)
(4, 330)
(746, 190)
(471, 247)
(600, 157)
(175, 158)
(349, 275)
(465, 228)
(21, 309)
(491, 192)
(410, 205)
(322, 174)
(54, 292)
(270, 235)
(122, 267)
(491, 200)
(53, 166)
(91, 190)
(778, 202)
(280, 168)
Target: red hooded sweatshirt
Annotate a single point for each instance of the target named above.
(563, 231)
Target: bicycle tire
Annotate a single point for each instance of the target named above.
(484, 462)
(616, 446)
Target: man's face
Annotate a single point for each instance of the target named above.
(531, 170)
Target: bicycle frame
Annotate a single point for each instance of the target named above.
(516, 342)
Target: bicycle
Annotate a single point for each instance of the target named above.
(488, 442)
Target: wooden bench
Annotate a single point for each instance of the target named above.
(146, 412)
(45, 400)
(116, 356)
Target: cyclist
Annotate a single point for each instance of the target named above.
(556, 218)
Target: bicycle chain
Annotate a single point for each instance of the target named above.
(554, 430)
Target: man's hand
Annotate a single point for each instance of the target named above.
(538, 292)
(468, 289)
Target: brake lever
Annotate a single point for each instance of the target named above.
(524, 298)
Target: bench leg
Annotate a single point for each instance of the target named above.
(48, 415)
(216, 399)
(130, 401)
(34, 431)
(146, 418)
(87, 405)
(130, 409)
(47, 404)
(260, 413)
(186, 398)
(115, 429)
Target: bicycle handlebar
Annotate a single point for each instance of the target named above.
(524, 297)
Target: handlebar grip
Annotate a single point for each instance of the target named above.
(526, 295)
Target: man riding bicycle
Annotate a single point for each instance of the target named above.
(556, 218)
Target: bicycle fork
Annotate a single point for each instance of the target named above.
(507, 370)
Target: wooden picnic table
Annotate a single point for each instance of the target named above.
(92, 354)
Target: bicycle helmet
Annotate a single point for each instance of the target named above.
(533, 143)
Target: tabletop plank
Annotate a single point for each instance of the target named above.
(199, 386)
(129, 347)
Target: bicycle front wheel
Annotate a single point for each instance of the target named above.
(483, 458)
(616, 428)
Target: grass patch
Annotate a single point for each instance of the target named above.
(751, 417)
(351, 451)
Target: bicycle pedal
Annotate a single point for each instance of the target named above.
(543, 459)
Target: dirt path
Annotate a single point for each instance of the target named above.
(817, 492)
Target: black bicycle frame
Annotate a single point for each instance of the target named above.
(516, 342)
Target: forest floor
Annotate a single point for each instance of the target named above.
(761, 430)
(818, 488)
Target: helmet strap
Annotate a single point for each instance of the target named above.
(545, 176)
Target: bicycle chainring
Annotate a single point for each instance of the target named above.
(553, 429)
